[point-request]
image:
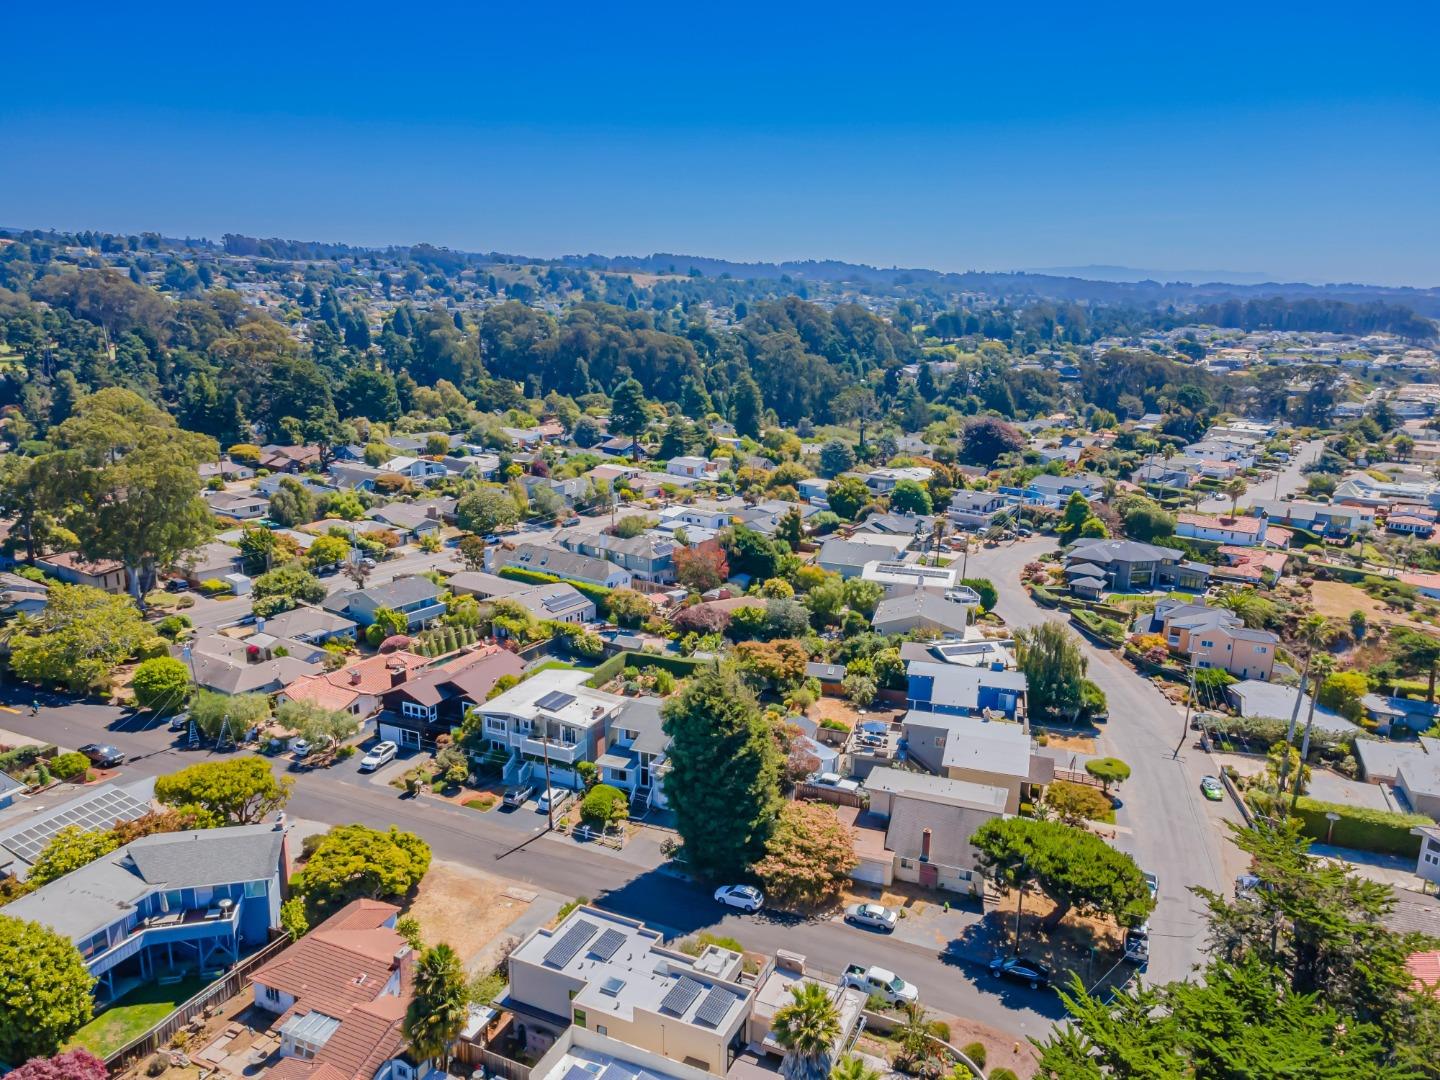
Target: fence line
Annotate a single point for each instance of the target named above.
(222, 990)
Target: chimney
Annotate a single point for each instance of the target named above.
(925, 846)
(398, 673)
(354, 676)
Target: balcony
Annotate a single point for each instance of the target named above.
(558, 752)
(171, 927)
(418, 616)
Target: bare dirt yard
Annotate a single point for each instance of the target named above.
(464, 907)
(833, 708)
(1336, 600)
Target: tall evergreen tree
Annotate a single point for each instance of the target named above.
(749, 407)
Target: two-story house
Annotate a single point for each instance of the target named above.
(562, 563)
(978, 749)
(962, 690)
(695, 468)
(1222, 528)
(636, 753)
(417, 470)
(187, 901)
(357, 688)
(1130, 566)
(433, 701)
(649, 556)
(979, 509)
(1212, 638)
(552, 716)
(417, 598)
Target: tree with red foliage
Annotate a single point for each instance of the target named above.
(701, 568)
(71, 1065)
(701, 619)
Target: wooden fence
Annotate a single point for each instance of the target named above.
(823, 793)
(217, 993)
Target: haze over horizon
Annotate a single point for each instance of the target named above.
(1125, 139)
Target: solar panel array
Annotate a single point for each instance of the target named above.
(681, 996)
(607, 944)
(570, 943)
(93, 815)
(555, 700)
(713, 1009)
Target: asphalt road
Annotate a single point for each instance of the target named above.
(1289, 481)
(341, 795)
(1166, 824)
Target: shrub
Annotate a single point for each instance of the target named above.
(940, 1029)
(214, 587)
(603, 805)
(975, 1051)
(68, 766)
(1359, 827)
(1072, 801)
(162, 684)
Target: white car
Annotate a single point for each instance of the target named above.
(875, 916)
(301, 748)
(551, 797)
(744, 897)
(379, 754)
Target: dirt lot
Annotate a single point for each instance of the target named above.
(831, 708)
(1337, 600)
(464, 907)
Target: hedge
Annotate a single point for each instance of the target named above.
(682, 667)
(598, 593)
(1359, 827)
(1265, 732)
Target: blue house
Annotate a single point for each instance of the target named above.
(193, 902)
(960, 690)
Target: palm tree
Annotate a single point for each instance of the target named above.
(807, 1028)
(853, 1067)
(1234, 488)
(1324, 665)
(917, 1046)
(1313, 632)
(439, 1009)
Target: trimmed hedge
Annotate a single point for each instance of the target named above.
(597, 593)
(1359, 827)
(682, 667)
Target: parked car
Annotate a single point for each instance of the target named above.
(1152, 883)
(1137, 944)
(834, 780)
(379, 754)
(875, 916)
(877, 980)
(1021, 970)
(180, 721)
(103, 755)
(744, 897)
(301, 748)
(1212, 789)
(516, 796)
(176, 584)
(551, 798)
(570, 522)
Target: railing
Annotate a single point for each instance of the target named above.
(823, 793)
(220, 991)
(186, 928)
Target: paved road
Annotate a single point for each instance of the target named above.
(1166, 824)
(560, 865)
(1289, 481)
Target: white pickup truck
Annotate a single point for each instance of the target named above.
(876, 980)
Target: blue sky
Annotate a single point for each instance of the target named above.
(1304, 143)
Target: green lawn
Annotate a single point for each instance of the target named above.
(553, 665)
(134, 1014)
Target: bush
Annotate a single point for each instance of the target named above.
(940, 1029)
(68, 766)
(1359, 827)
(1071, 801)
(162, 684)
(604, 805)
(975, 1051)
(989, 595)
(213, 587)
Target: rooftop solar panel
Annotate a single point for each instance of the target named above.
(607, 944)
(100, 812)
(570, 943)
(555, 700)
(713, 1009)
(681, 996)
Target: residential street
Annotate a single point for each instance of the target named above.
(1289, 482)
(1166, 823)
(561, 865)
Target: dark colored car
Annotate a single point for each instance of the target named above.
(1021, 970)
(103, 756)
(176, 584)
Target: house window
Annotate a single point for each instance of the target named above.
(600, 1030)
(907, 864)
(580, 1018)
(494, 723)
(620, 775)
(1261, 650)
(254, 888)
(1207, 644)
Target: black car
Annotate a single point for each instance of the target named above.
(1021, 970)
(103, 756)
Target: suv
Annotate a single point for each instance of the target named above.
(517, 795)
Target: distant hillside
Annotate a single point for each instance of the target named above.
(1100, 272)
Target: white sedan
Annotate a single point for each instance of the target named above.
(379, 754)
(875, 916)
(744, 897)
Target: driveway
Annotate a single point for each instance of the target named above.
(1164, 821)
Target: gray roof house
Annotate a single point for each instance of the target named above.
(417, 598)
(919, 610)
(569, 565)
(1252, 697)
(94, 810)
(848, 557)
(1130, 566)
(199, 899)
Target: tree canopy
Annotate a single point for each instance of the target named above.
(241, 791)
(44, 990)
(355, 861)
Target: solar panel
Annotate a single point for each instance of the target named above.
(555, 700)
(681, 996)
(570, 943)
(606, 945)
(713, 1009)
(101, 811)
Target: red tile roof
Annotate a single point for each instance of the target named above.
(338, 689)
(1424, 968)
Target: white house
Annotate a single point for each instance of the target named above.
(696, 468)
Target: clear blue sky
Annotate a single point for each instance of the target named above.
(1300, 141)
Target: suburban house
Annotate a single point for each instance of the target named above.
(920, 609)
(1130, 566)
(1427, 867)
(415, 469)
(432, 701)
(1252, 697)
(416, 597)
(1323, 519)
(635, 754)
(979, 509)
(304, 622)
(909, 526)
(704, 516)
(616, 977)
(918, 827)
(1212, 638)
(963, 690)
(95, 809)
(354, 475)
(210, 561)
(1237, 531)
(340, 994)
(848, 558)
(1410, 522)
(252, 663)
(550, 716)
(408, 519)
(1396, 714)
(561, 563)
(1162, 475)
(1055, 491)
(288, 459)
(882, 481)
(904, 577)
(225, 469)
(649, 556)
(696, 468)
(69, 567)
(359, 687)
(991, 752)
(555, 602)
(21, 596)
(242, 506)
(170, 902)
(1253, 566)
(813, 489)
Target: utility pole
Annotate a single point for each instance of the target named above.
(549, 802)
(1189, 701)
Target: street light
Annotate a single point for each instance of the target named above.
(1331, 817)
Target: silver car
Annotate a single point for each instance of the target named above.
(875, 916)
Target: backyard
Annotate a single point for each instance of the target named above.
(135, 1014)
